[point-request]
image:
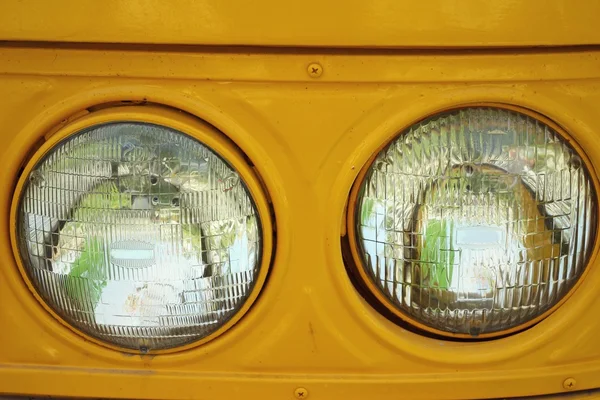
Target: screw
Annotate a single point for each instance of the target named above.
(569, 383)
(315, 70)
(301, 393)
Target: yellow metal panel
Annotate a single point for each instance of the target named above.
(340, 23)
(283, 66)
(308, 138)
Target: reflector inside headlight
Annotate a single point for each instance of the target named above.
(139, 235)
(475, 221)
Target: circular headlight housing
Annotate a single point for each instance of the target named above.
(475, 222)
(139, 235)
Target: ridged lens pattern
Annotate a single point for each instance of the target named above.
(476, 221)
(139, 235)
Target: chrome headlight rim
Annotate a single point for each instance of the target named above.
(172, 119)
(364, 281)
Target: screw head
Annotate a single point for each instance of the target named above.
(315, 70)
(301, 393)
(569, 384)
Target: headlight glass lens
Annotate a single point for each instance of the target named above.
(476, 221)
(139, 235)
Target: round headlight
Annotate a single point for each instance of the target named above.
(138, 235)
(474, 222)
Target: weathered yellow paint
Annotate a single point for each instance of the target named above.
(308, 139)
(350, 23)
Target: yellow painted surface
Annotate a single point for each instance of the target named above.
(308, 138)
(350, 23)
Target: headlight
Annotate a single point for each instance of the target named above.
(474, 222)
(139, 235)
